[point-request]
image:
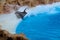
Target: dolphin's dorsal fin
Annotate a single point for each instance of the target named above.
(25, 9)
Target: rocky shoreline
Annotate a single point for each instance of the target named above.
(5, 35)
(5, 5)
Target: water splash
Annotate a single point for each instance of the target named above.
(44, 26)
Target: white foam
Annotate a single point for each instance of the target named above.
(10, 21)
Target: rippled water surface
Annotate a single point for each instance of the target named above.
(44, 25)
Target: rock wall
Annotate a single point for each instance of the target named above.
(5, 35)
(30, 3)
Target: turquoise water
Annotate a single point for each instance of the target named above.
(43, 26)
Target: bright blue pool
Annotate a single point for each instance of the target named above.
(43, 26)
